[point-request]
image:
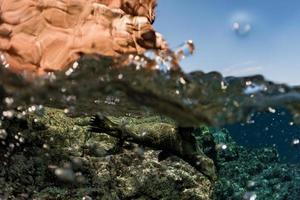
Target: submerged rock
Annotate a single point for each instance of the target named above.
(254, 174)
(168, 138)
(52, 156)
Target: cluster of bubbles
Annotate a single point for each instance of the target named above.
(3, 61)
(20, 111)
(242, 24)
(184, 50)
(252, 88)
(250, 195)
(9, 141)
(69, 171)
(241, 29)
(111, 100)
(162, 60)
(72, 69)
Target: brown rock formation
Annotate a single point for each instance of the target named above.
(39, 36)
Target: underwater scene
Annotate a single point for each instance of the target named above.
(149, 100)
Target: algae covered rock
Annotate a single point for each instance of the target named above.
(48, 155)
(168, 138)
(255, 174)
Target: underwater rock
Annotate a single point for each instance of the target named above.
(255, 174)
(52, 156)
(48, 156)
(37, 37)
(171, 140)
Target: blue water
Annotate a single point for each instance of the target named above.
(266, 129)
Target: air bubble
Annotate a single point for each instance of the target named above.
(70, 110)
(8, 114)
(249, 196)
(271, 110)
(32, 109)
(185, 50)
(252, 88)
(65, 174)
(3, 134)
(241, 28)
(295, 142)
(9, 101)
(182, 81)
(242, 23)
(87, 198)
(120, 76)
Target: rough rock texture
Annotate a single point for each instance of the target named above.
(253, 173)
(153, 133)
(47, 35)
(51, 156)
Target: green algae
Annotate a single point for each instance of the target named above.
(51, 145)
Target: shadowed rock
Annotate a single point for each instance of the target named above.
(162, 136)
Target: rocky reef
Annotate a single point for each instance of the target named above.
(48, 155)
(52, 156)
(257, 174)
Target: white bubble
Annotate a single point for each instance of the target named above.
(63, 90)
(223, 85)
(8, 113)
(182, 81)
(75, 65)
(2, 58)
(111, 100)
(32, 109)
(51, 76)
(249, 196)
(184, 50)
(251, 184)
(296, 142)
(120, 76)
(3, 134)
(241, 23)
(241, 29)
(69, 71)
(272, 110)
(252, 88)
(144, 134)
(9, 101)
(224, 147)
(65, 174)
(87, 198)
(11, 145)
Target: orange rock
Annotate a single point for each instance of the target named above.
(39, 36)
